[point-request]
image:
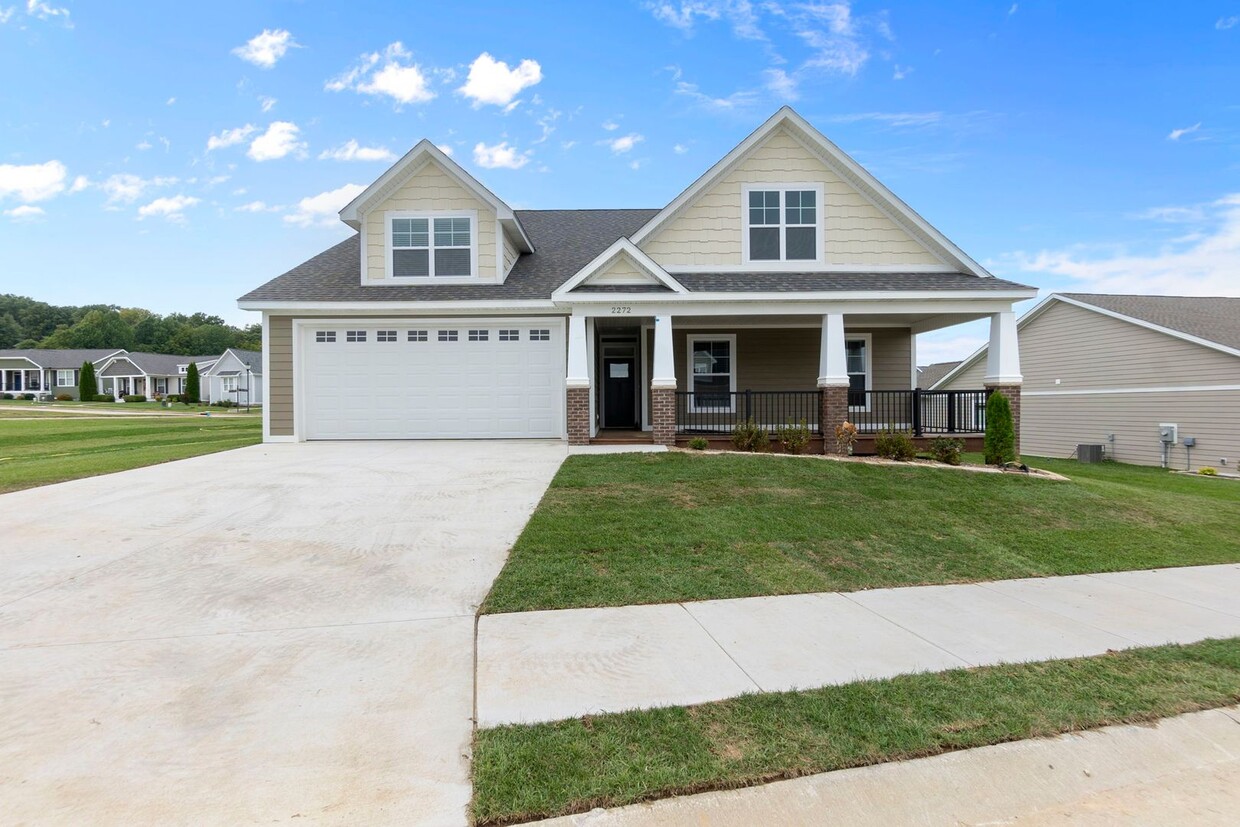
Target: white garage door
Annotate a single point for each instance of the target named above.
(418, 380)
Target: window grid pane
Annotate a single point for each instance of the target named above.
(447, 335)
(509, 335)
(417, 335)
(355, 336)
(479, 335)
(540, 335)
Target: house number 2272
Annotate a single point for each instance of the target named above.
(621, 310)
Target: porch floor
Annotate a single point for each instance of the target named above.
(622, 436)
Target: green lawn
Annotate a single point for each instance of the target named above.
(623, 529)
(41, 452)
(18, 404)
(531, 771)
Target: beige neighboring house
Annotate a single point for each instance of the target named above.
(1140, 375)
(785, 283)
(147, 374)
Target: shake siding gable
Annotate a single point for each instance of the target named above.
(430, 188)
(280, 379)
(855, 232)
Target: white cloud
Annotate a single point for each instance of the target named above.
(279, 140)
(79, 183)
(352, 151)
(321, 210)
(1012, 10)
(32, 182)
(170, 101)
(680, 149)
(637, 163)
(257, 206)
(499, 156)
(781, 84)
(1200, 263)
(267, 103)
(1224, 23)
(445, 149)
(946, 346)
(547, 124)
(143, 145)
(230, 137)
(911, 119)
(740, 15)
(390, 73)
(1177, 134)
(172, 208)
(736, 100)
(491, 81)
(5, 14)
(610, 125)
(25, 212)
(125, 188)
(624, 143)
(266, 48)
(901, 72)
(46, 11)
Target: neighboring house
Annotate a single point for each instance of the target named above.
(929, 375)
(1114, 370)
(147, 374)
(786, 283)
(54, 372)
(237, 376)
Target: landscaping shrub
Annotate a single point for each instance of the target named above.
(749, 436)
(699, 443)
(224, 403)
(845, 437)
(896, 445)
(103, 397)
(29, 397)
(8, 396)
(945, 449)
(88, 388)
(1207, 471)
(793, 436)
(63, 397)
(999, 446)
(134, 397)
(191, 384)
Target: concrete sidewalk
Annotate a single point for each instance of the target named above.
(545, 666)
(1183, 770)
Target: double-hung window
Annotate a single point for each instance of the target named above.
(783, 223)
(857, 355)
(64, 379)
(433, 246)
(712, 372)
(228, 384)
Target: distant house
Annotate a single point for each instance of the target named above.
(148, 374)
(236, 376)
(929, 375)
(54, 372)
(1117, 370)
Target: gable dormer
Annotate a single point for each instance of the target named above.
(428, 221)
(788, 199)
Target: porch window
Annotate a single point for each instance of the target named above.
(432, 246)
(783, 223)
(857, 353)
(712, 372)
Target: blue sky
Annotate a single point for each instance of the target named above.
(175, 156)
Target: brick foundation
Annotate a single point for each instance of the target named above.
(663, 415)
(1012, 392)
(834, 412)
(578, 416)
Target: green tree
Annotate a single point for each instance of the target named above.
(101, 329)
(87, 387)
(10, 331)
(999, 444)
(192, 391)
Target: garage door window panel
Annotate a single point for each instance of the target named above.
(432, 246)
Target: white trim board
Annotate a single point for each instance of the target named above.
(1111, 391)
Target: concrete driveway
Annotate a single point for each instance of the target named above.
(277, 633)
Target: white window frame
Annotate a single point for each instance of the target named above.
(230, 384)
(60, 375)
(868, 339)
(690, 339)
(431, 215)
(782, 263)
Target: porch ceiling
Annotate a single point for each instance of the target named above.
(920, 322)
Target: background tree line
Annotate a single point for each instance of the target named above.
(26, 323)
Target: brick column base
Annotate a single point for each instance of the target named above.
(834, 400)
(578, 416)
(1012, 392)
(663, 415)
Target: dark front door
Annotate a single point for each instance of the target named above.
(619, 392)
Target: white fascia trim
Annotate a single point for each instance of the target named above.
(834, 156)
(1110, 391)
(808, 296)
(408, 307)
(621, 246)
(808, 267)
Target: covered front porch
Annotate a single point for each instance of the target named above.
(667, 378)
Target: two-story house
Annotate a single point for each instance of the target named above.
(785, 284)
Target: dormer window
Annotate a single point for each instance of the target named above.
(783, 223)
(424, 245)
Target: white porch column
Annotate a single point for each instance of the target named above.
(578, 397)
(664, 355)
(1003, 354)
(832, 355)
(578, 355)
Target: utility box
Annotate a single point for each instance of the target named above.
(1089, 453)
(1168, 433)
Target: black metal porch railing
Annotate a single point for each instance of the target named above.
(918, 411)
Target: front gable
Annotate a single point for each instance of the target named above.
(620, 266)
(862, 226)
(121, 366)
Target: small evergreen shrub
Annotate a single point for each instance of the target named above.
(103, 397)
(1207, 471)
(699, 443)
(224, 403)
(88, 387)
(947, 450)
(8, 396)
(749, 436)
(793, 436)
(191, 383)
(1000, 441)
(29, 397)
(134, 397)
(63, 397)
(897, 445)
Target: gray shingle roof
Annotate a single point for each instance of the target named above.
(52, 359)
(164, 364)
(930, 374)
(565, 241)
(1216, 319)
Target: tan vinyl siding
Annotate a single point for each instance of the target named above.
(971, 377)
(855, 232)
(429, 189)
(511, 254)
(1052, 426)
(621, 270)
(279, 332)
